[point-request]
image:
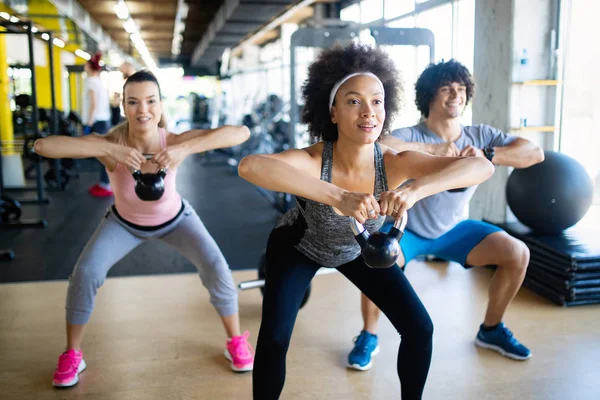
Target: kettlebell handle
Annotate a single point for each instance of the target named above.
(148, 156)
(359, 229)
(137, 173)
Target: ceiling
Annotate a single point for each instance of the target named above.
(211, 26)
(156, 20)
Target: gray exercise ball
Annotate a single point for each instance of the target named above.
(551, 196)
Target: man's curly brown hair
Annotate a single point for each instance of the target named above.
(437, 75)
(335, 63)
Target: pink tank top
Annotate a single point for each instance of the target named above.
(139, 212)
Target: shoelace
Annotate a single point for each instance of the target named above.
(505, 332)
(361, 343)
(242, 349)
(65, 362)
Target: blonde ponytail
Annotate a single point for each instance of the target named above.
(163, 121)
(118, 134)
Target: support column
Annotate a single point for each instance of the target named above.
(12, 165)
(492, 71)
(6, 125)
(503, 29)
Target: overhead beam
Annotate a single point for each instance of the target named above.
(222, 15)
(252, 38)
(72, 10)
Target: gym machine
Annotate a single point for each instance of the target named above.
(10, 209)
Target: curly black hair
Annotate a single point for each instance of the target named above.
(438, 75)
(335, 63)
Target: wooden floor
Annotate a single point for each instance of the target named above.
(157, 337)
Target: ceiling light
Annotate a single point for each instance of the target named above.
(4, 15)
(121, 10)
(179, 28)
(14, 19)
(183, 10)
(130, 26)
(135, 37)
(134, 34)
(45, 36)
(58, 42)
(82, 54)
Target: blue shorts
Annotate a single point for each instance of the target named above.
(455, 245)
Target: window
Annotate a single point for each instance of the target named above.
(410, 61)
(439, 21)
(396, 8)
(371, 10)
(580, 105)
(351, 13)
(464, 40)
(407, 22)
(453, 27)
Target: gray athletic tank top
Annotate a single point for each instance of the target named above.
(326, 237)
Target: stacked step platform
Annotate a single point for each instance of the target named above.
(564, 268)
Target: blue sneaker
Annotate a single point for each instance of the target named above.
(365, 347)
(502, 340)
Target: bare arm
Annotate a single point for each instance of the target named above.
(288, 172)
(431, 175)
(297, 172)
(58, 146)
(447, 149)
(521, 153)
(99, 147)
(91, 108)
(400, 145)
(198, 141)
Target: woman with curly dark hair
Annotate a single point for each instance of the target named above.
(351, 94)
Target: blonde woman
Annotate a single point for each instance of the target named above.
(132, 221)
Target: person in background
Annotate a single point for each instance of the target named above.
(96, 116)
(127, 69)
(439, 225)
(131, 221)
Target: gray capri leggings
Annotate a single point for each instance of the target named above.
(114, 239)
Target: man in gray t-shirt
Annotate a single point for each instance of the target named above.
(439, 226)
(436, 215)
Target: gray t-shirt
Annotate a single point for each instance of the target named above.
(435, 215)
(326, 237)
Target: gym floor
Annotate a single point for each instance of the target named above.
(154, 334)
(157, 337)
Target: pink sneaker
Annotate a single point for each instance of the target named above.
(240, 353)
(70, 365)
(99, 191)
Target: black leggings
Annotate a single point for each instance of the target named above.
(289, 273)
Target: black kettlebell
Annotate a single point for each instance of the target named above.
(379, 250)
(149, 186)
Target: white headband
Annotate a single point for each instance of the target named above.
(339, 84)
